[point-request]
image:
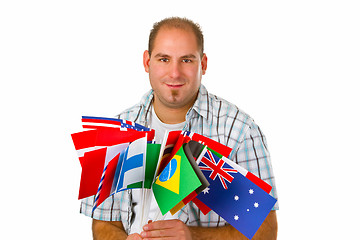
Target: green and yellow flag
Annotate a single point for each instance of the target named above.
(175, 182)
(152, 156)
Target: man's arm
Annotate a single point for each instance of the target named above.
(114, 230)
(175, 229)
(268, 230)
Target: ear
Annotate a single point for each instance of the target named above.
(146, 60)
(204, 64)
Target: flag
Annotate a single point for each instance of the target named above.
(210, 143)
(196, 151)
(92, 159)
(175, 140)
(234, 197)
(196, 145)
(133, 165)
(84, 141)
(152, 156)
(92, 164)
(253, 178)
(113, 136)
(192, 150)
(124, 169)
(167, 145)
(101, 122)
(108, 175)
(175, 182)
(92, 148)
(94, 139)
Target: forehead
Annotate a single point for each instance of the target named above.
(175, 41)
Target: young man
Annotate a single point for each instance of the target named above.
(175, 63)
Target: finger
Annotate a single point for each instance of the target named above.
(161, 234)
(162, 224)
(134, 236)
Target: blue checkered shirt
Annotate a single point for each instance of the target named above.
(212, 117)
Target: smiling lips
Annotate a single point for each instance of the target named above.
(174, 86)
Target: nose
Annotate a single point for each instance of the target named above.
(175, 70)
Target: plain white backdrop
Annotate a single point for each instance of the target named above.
(292, 65)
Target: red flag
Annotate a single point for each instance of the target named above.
(95, 123)
(167, 147)
(212, 144)
(84, 140)
(106, 183)
(203, 208)
(92, 147)
(92, 165)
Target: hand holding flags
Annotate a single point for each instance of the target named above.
(116, 155)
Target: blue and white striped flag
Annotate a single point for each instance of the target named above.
(132, 171)
(124, 169)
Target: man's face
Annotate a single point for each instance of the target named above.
(175, 68)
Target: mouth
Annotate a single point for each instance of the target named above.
(174, 86)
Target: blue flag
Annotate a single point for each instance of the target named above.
(133, 160)
(232, 196)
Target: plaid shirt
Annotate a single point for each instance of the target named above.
(211, 117)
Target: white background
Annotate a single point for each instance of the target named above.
(292, 65)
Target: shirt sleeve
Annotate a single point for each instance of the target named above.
(112, 209)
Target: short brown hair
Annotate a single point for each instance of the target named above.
(180, 23)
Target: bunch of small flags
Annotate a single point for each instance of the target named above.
(116, 155)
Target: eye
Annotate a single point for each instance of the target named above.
(186, 60)
(163, 59)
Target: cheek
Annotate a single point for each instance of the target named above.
(157, 73)
(193, 72)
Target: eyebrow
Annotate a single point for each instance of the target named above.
(162, 55)
(189, 56)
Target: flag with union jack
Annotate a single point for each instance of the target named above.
(233, 196)
(217, 169)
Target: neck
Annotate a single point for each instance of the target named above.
(170, 115)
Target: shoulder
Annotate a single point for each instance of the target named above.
(228, 114)
(225, 108)
(220, 119)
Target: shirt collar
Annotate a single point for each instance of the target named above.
(202, 104)
(145, 104)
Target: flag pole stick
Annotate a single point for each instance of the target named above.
(158, 215)
(143, 190)
(146, 207)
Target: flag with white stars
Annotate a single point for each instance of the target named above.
(102, 122)
(232, 196)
